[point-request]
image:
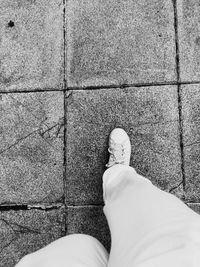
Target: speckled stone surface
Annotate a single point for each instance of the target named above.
(89, 220)
(23, 232)
(31, 147)
(31, 44)
(190, 95)
(148, 114)
(189, 39)
(120, 42)
(192, 172)
(191, 138)
(195, 207)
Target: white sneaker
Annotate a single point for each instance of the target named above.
(119, 148)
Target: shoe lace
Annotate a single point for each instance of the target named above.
(117, 154)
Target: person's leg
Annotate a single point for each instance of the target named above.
(77, 250)
(149, 227)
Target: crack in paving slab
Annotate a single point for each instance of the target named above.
(43, 133)
(39, 206)
(17, 142)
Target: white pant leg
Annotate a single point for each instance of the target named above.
(149, 227)
(77, 250)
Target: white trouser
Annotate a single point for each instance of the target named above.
(76, 250)
(149, 228)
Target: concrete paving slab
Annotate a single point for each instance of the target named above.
(31, 44)
(189, 39)
(192, 172)
(120, 42)
(191, 138)
(195, 207)
(31, 147)
(23, 232)
(148, 114)
(89, 220)
(190, 95)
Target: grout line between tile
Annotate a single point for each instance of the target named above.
(64, 107)
(181, 136)
(124, 86)
(176, 39)
(65, 117)
(65, 45)
(102, 87)
(179, 93)
(86, 206)
(65, 159)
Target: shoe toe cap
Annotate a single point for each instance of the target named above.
(119, 135)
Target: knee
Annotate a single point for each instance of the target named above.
(81, 240)
(68, 249)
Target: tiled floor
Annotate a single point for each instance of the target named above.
(71, 71)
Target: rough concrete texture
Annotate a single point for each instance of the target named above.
(120, 42)
(192, 173)
(23, 232)
(189, 39)
(195, 207)
(148, 114)
(89, 220)
(190, 95)
(191, 138)
(31, 44)
(31, 147)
